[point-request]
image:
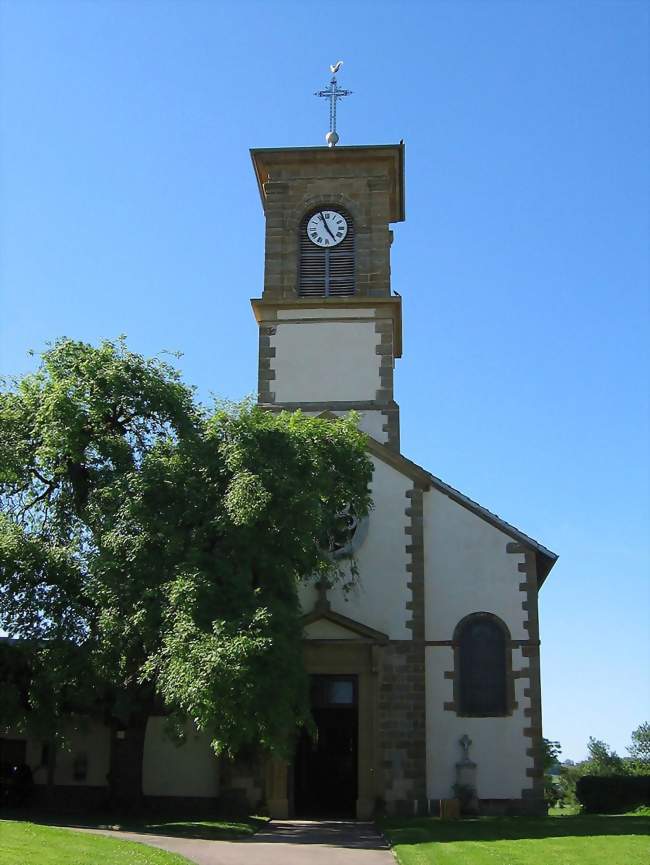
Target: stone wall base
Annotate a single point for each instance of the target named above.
(242, 787)
(525, 807)
(512, 807)
(501, 807)
(70, 798)
(79, 799)
(199, 806)
(407, 807)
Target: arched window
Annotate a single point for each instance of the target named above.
(482, 647)
(326, 256)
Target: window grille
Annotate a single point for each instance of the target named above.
(326, 272)
(482, 656)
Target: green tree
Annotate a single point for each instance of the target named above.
(639, 750)
(161, 545)
(551, 751)
(603, 760)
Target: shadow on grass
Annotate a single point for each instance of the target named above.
(350, 834)
(209, 829)
(418, 831)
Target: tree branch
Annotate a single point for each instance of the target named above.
(40, 477)
(44, 495)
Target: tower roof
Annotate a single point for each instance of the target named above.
(276, 163)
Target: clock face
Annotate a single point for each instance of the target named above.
(327, 228)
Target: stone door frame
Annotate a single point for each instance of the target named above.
(360, 658)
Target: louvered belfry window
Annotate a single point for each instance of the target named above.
(326, 272)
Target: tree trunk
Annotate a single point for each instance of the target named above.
(127, 753)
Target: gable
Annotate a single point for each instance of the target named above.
(469, 565)
(323, 623)
(425, 481)
(324, 629)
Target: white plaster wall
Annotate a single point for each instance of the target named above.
(190, 769)
(380, 596)
(498, 744)
(92, 739)
(83, 737)
(467, 570)
(370, 422)
(325, 361)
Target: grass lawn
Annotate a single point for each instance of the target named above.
(578, 839)
(24, 843)
(182, 827)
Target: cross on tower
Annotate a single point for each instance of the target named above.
(333, 93)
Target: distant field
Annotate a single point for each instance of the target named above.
(573, 839)
(31, 844)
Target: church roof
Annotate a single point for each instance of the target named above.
(546, 559)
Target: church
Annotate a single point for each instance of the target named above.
(425, 676)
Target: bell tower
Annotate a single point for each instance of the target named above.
(330, 328)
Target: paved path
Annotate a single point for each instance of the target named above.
(282, 842)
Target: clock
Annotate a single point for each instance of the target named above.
(327, 228)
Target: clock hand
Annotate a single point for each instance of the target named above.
(326, 225)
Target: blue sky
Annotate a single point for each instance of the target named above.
(128, 205)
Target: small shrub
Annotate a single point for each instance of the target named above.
(607, 794)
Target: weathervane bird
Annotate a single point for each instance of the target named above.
(334, 69)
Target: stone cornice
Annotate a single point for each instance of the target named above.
(265, 311)
(388, 159)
